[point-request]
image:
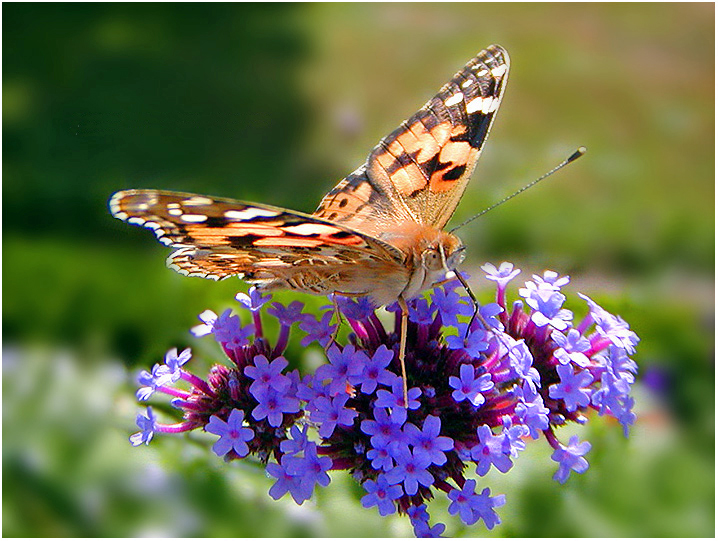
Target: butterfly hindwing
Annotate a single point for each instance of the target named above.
(419, 171)
(221, 237)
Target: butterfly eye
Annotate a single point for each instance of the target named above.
(432, 259)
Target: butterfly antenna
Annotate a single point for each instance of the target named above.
(577, 154)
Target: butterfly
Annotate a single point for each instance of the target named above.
(378, 233)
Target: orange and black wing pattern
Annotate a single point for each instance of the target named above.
(216, 237)
(420, 170)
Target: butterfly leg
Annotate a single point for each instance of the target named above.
(402, 346)
(340, 320)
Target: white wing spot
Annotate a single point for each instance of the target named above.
(498, 71)
(174, 211)
(310, 229)
(134, 220)
(193, 218)
(249, 213)
(467, 83)
(484, 105)
(481, 73)
(454, 100)
(197, 200)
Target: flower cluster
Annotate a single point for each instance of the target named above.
(479, 387)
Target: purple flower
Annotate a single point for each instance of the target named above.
(384, 429)
(331, 412)
(547, 303)
(484, 508)
(232, 434)
(428, 441)
(374, 372)
(147, 423)
(395, 398)
(420, 521)
(266, 375)
(421, 312)
(490, 451)
(503, 275)
(522, 363)
(572, 387)
(411, 470)
(570, 457)
(382, 494)
(450, 305)
(463, 502)
(380, 455)
(254, 300)
(474, 344)
(343, 365)
(531, 410)
(273, 404)
(552, 279)
(357, 310)
(286, 482)
(311, 468)
(526, 371)
(174, 362)
(227, 329)
(287, 315)
(298, 441)
(612, 327)
(151, 381)
(468, 386)
(320, 331)
(424, 529)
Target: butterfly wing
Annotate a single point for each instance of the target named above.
(216, 238)
(418, 172)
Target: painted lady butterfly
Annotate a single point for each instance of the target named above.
(379, 232)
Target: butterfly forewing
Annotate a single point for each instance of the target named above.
(419, 171)
(222, 237)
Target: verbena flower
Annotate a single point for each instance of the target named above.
(479, 388)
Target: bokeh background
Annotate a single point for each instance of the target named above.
(276, 103)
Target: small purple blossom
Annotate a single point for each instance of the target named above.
(374, 371)
(344, 364)
(266, 375)
(503, 275)
(395, 398)
(287, 315)
(469, 387)
(330, 413)
(147, 423)
(490, 451)
(411, 470)
(232, 434)
(273, 404)
(570, 457)
(572, 389)
(311, 468)
(254, 300)
(319, 331)
(450, 305)
(428, 441)
(382, 494)
(286, 482)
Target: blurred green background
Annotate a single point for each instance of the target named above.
(276, 103)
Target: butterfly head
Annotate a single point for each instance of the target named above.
(443, 256)
(436, 254)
